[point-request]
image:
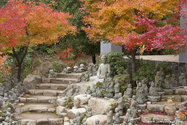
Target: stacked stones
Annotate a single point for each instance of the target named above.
(9, 94)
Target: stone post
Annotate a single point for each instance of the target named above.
(107, 47)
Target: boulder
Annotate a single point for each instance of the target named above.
(100, 105)
(83, 97)
(72, 113)
(101, 118)
(170, 110)
(155, 108)
(61, 102)
(30, 82)
(59, 109)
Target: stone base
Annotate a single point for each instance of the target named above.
(168, 91)
(161, 93)
(142, 106)
(95, 79)
(153, 98)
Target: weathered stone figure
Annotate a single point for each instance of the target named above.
(97, 122)
(158, 79)
(75, 69)
(174, 81)
(51, 73)
(144, 85)
(103, 68)
(153, 90)
(139, 94)
(116, 88)
(88, 90)
(90, 69)
(167, 83)
(117, 116)
(110, 116)
(120, 104)
(89, 112)
(1, 89)
(128, 92)
(182, 80)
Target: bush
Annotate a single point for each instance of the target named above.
(166, 68)
(123, 81)
(146, 70)
(58, 67)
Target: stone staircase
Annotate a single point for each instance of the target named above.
(36, 107)
(163, 112)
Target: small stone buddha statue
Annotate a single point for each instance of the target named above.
(103, 68)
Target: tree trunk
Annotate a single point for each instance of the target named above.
(20, 61)
(133, 59)
(93, 58)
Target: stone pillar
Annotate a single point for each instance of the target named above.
(183, 56)
(107, 47)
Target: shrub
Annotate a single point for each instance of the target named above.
(146, 70)
(166, 68)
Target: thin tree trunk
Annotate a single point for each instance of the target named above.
(93, 58)
(133, 59)
(20, 61)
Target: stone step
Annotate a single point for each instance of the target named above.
(156, 118)
(163, 107)
(39, 119)
(35, 107)
(45, 92)
(176, 98)
(37, 99)
(52, 86)
(59, 80)
(69, 75)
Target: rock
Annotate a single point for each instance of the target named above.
(60, 102)
(100, 105)
(1, 101)
(42, 122)
(149, 118)
(27, 122)
(83, 97)
(180, 91)
(55, 121)
(46, 80)
(30, 82)
(155, 108)
(101, 118)
(72, 113)
(60, 109)
(170, 110)
(153, 98)
(168, 91)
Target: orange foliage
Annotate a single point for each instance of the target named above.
(181, 115)
(68, 56)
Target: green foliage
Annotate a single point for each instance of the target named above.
(113, 105)
(124, 79)
(99, 85)
(166, 68)
(58, 67)
(146, 70)
(44, 48)
(83, 62)
(36, 62)
(69, 102)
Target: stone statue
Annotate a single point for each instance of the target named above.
(174, 81)
(68, 69)
(116, 88)
(134, 111)
(95, 68)
(110, 116)
(182, 80)
(116, 116)
(128, 114)
(75, 68)
(1, 89)
(167, 83)
(128, 92)
(134, 102)
(158, 79)
(89, 112)
(153, 90)
(82, 67)
(90, 69)
(110, 89)
(103, 68)
(84, 121)
(51, 74)
(97, 122)
(125, 121)
(87, 76)
(144, 85)
(120, 104)
(161, 73)
(139, 94)
(88, 90)
(131, 122)
(78, 118)
(78, 80)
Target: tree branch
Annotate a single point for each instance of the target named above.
(15, 55)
